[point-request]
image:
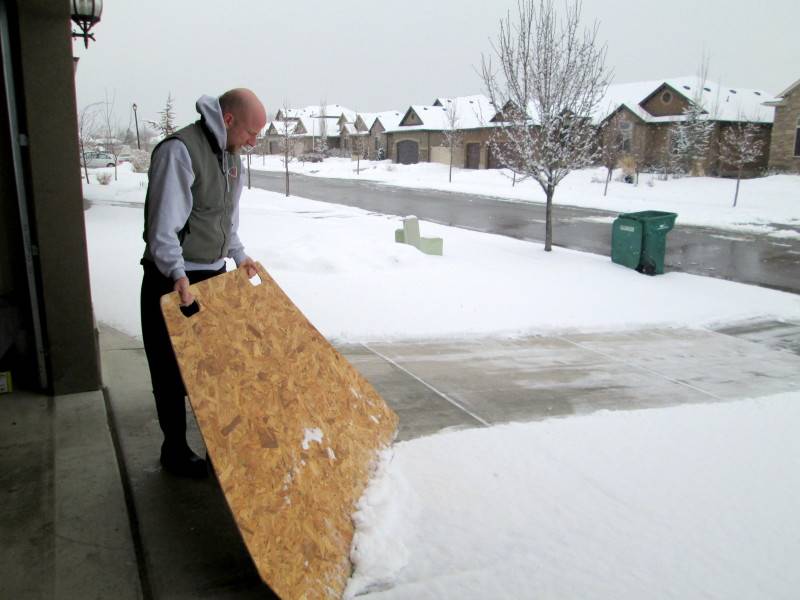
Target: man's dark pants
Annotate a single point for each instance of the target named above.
(168, 386)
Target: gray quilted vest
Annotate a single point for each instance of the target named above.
(206, 235)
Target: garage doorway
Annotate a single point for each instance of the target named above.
(407, 152)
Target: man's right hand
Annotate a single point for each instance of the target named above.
(182, 287)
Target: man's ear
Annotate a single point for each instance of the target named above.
(228, 119)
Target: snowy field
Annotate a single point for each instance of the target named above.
(768, 205)
(694, 501)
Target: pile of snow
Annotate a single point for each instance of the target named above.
(683, 502)
(342, 267)
(764, 203)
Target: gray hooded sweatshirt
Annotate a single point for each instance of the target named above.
(169, 199)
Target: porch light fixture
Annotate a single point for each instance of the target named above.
(85, 13)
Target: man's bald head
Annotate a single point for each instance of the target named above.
(244, 116)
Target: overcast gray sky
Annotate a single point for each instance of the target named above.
(376, 55)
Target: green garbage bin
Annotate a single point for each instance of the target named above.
(639, 240)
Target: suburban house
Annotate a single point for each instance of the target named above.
(311, 124)
(377, 124)
(277, 132)
(640, 119)
(419, 134)
(784, 153)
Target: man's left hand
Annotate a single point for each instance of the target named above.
(250, 266)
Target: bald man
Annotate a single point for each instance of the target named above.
(195, 181)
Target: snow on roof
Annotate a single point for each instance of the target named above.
(350, 129)
(281, 127)
(331, 110)
(369, 117)
(314, 126)
(389, 119)
(723, 103)
(471, 112)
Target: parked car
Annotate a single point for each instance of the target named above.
(95, 160)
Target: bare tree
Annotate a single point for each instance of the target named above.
(110, 127)
(453, 137)
(87, 126)
(360, 142)
(741, 145)
(551, 79)
(611, 150)
(286, 129)
(693, 134)
(322, 143)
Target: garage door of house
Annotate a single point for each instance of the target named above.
(473, 156)
(407, 152)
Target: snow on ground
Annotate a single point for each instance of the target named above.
(695, 501)
(763, 204)
(342, 267)
(685, 502)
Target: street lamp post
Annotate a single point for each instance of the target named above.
(136, 120)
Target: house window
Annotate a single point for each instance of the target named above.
(666, 97)
(797, 138)
(626, 135)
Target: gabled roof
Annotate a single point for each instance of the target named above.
(281, 127)
(471, 111)
(433, 118)
(331, 110)
(313, 126)
(789, 90)
(721, 103)
(369, 117)
(389, 120)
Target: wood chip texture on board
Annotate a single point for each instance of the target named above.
(291, 427)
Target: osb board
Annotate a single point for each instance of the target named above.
(264, 384)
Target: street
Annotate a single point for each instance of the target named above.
(743, 257)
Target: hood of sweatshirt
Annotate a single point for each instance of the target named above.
(211, 112)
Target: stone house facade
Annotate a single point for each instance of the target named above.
(379, 139)
(639, 121)
(784, 154)
(419, 136)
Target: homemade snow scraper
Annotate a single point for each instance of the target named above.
(291, 427)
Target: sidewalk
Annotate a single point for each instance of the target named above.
(78, 524)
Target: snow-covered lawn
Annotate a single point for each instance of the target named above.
(686, 502)
(764, 203)
(342, 267)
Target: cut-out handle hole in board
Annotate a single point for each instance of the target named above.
(191, 309)
(255, 280)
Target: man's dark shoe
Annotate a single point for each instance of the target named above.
(183, 463)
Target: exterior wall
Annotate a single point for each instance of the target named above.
(41, 50)
(612, 131)
(411, 119)
(377, 140)
(421, 137)
(657, 107)
(784, 130)
(722, 169)
(441, 154)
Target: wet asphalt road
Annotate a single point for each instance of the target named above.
(743, 257)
